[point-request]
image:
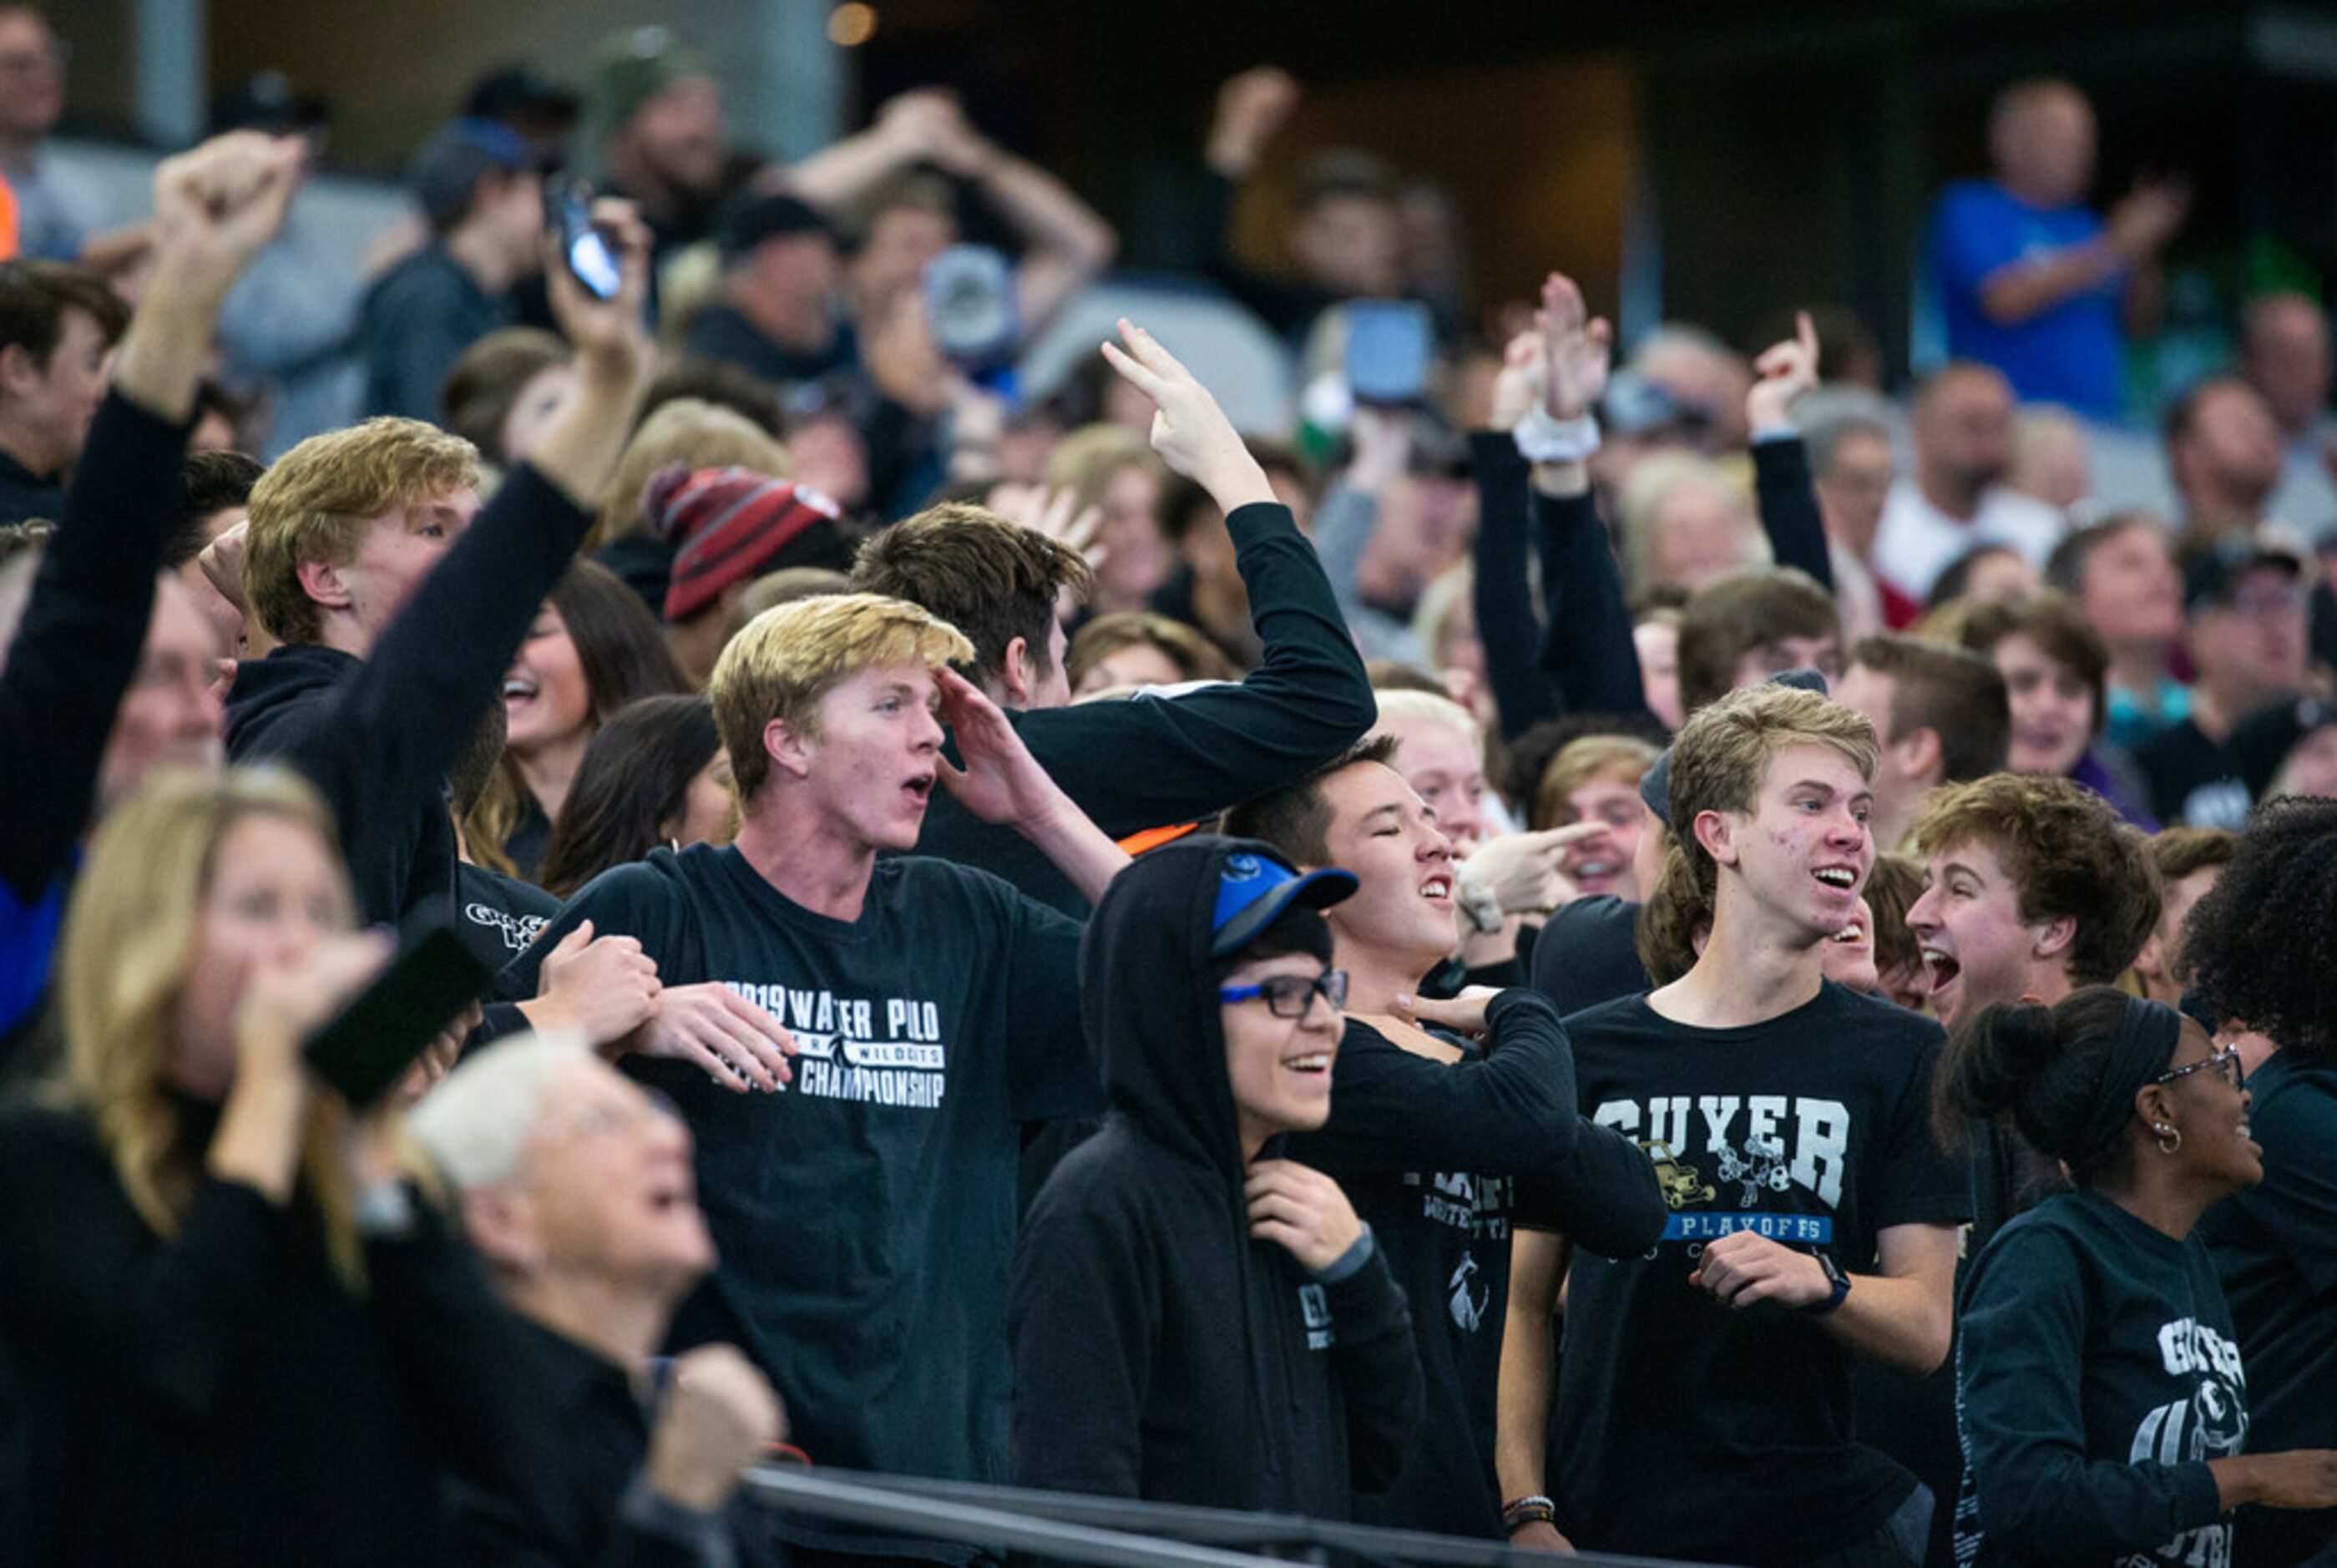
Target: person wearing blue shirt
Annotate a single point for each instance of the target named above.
(2032, 280)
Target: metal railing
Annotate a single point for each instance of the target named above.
(1073, 1527)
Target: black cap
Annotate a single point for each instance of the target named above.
(2212, 572)
(1656, 783)
(748, 223)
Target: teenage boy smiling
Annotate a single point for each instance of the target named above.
(1703, 1404)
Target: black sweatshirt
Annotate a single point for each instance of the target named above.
(1155, 761)
(590, 1509)
(376, 735)
(1159, 1351)
(2097, 1375)
(1587, 663)
(1427, 1151)
(74, 654)
(221, 1396)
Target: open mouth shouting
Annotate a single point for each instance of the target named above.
(1437, 888)
(519, 690)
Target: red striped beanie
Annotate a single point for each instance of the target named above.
(728, 524)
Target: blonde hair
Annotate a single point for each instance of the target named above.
(314, 502)
(1725, 748)
(1088, 457)
(1427, 708)
(686, 430)
(1444, 597)
(1654, 482)
(1580, 760)
(129, 941)
(784, 660)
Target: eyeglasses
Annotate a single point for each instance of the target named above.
(1290, 995)
(2225, 1060)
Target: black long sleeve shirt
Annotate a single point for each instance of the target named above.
(376, 735)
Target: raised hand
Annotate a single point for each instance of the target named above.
(218, 206)
(1301, 1210)
(1518, 385)
(2141, 225)
(716, 1416)
(1056, 512)
(1251, 107)
(611, 334)
(738, 1044)
(1189, 431)
(1001, 781)
(1786, 369)
(1575, 348)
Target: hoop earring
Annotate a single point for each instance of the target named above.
(2170, 1138)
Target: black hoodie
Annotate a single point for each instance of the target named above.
(1159, 1352)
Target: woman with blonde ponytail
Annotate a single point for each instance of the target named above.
(238, 1339)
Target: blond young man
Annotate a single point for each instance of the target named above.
(856, 1040)
(385, 662)
(1703, 1406)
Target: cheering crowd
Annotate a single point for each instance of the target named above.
(1655, 953)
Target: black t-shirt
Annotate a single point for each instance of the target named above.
(1586, 954)
(720, 332)
(2097, 1375)
(502, 915)
(1686, 1428)
(2275, 1246)
(2193, 780)
(866, 1215)
(1426, 1151)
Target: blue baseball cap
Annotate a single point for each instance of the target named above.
(1254, 890)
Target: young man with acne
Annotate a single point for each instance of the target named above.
(1196, 1317)
(1442, 1138)
(1701, 1409)
(864, 1200)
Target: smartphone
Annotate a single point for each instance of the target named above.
(970, 304)
(589, 260)
(1389, 345)
(362, 1053)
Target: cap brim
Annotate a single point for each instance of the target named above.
(1314, 890)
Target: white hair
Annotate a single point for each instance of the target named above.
(476, 1124)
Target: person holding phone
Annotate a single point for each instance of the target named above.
(238, 1337)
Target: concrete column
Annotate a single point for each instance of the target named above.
(173, 70)
(791, 81)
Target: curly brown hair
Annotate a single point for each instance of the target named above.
(2067, 852)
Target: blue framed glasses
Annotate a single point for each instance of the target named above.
(1290, 995)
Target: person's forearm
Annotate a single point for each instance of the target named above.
(1902, 1323)
(840, 174)
(577, 448)
(1080, 849)
(2028, 288)
(1788, 505)
(163, 353)
(1522, 1410)
(1500, 585)
(1067, 242)
(258, 1143)
(1587, 649)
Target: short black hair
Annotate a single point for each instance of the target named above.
(1295, 819)
(216, 481)
(2262, 944)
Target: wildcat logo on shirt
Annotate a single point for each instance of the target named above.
(844, 1054)
(1764, 1143)
(2211, 1422)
